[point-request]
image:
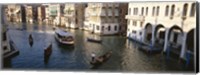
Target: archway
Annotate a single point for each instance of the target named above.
(148, 33)
(190, 40)
(190, 47)
(174, 39)
(159, 35)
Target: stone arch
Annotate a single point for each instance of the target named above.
(190, 40)
(175, 27)
(175, 40)
(148, 32)
(161, 34)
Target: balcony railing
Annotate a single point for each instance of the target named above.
(135, 17)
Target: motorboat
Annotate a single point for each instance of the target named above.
(64, 37)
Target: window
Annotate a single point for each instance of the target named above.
(153, 11)
(115, 28)
(108, 28)
(146, 11)
(134, 23)
(119, 27)
(141, 24)
(192, 12)
(157, 12)
(97, 27)
(133, 31)
(185, 7)
(172, 10)
(140, 33)
(102, 28)
(135, 11)
(142, 11)
(129, 22)
(166, 10)
(129, 11)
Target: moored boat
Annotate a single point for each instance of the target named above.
(64, 37)
(94, 40)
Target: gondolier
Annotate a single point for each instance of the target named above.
(93, 56)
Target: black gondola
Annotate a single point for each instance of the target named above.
(30, 40)
(47, 53)
(100, 60)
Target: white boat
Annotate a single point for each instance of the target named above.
(64, 37)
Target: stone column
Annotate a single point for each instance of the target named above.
(166, 39)
(143, 35)
(153, 37)
(183, 47)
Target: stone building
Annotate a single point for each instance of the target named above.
(13, 13)
(171, 25)
(102, 18)
(74, 15)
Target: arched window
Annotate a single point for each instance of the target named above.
(108, 28)
(115, 28)
(142, 11)
(193, 9)
(185, 7)
(157, 12)
(146, 11)
(167, 10)
(153, 11)
(172, 10)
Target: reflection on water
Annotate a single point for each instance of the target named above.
(125, 56)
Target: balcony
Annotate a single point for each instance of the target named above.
(69, 15)
(135, 17)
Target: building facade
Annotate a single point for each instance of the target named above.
(74, 15)
(123, 11)
(170, 24)
(29, 13)
(13, 13)
(102, 18)
(55, 13)
(70, 15)
(41, 13)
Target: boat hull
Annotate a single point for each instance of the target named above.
(64, 43)
(93, 40)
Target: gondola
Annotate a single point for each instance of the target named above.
(30, 40)
(47, 53)
(100, 60)
(94, 40)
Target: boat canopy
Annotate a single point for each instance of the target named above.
(62, 32)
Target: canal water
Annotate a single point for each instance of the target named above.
(125, 54)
